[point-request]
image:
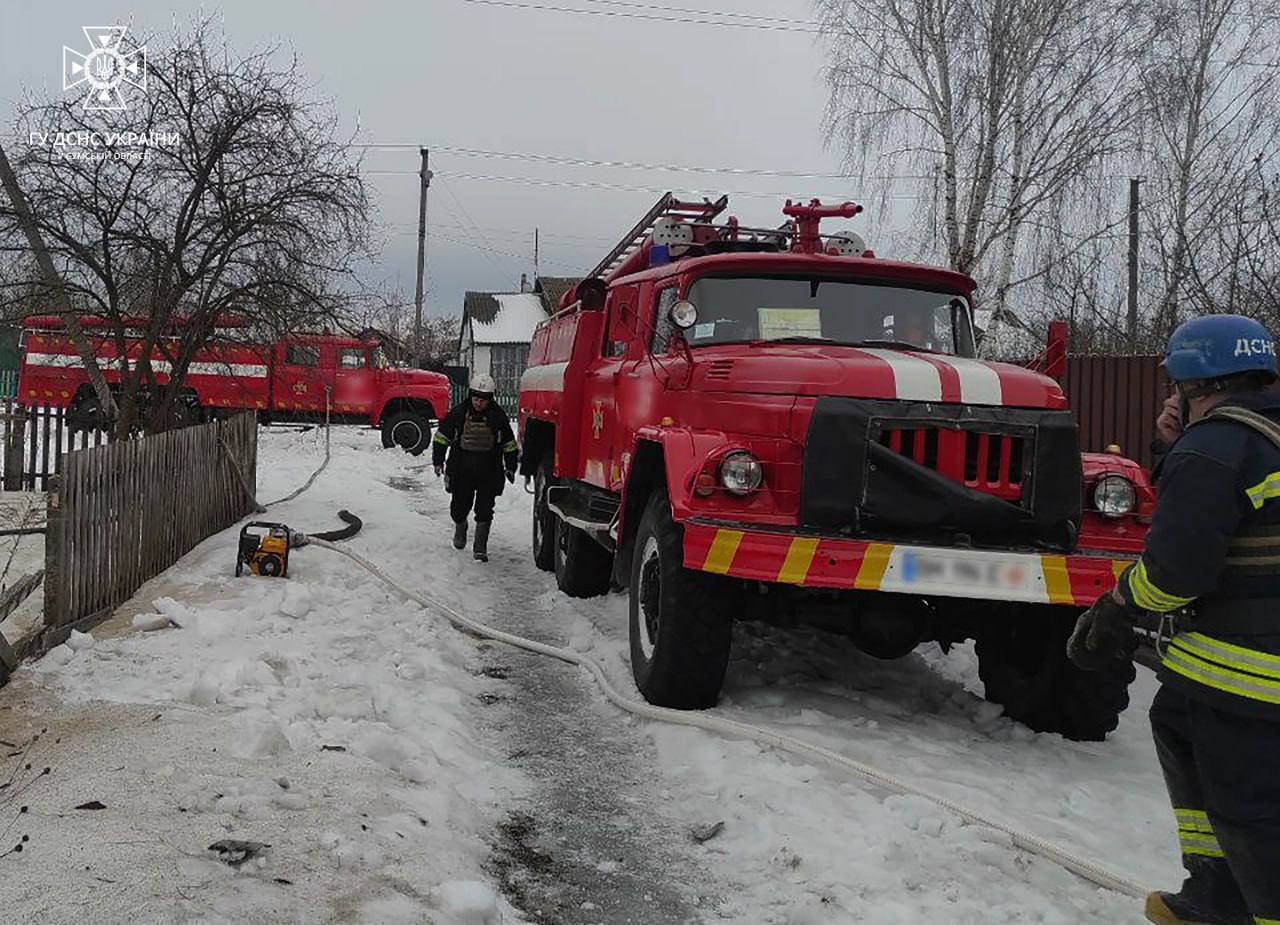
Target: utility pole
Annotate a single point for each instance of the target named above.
(1133, 263)
(535, 255)
(425, 176)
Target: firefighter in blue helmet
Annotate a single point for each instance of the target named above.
(1211, 567)
(476, 437)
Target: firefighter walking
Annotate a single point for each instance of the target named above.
(1211, 566)
(481, 450)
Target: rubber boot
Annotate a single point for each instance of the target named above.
(481, 548)
(1174, 909)
(460, 535)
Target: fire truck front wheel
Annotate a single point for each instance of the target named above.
(409, 430)
(1022, 661)
(681, 624)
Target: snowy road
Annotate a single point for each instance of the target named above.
(403, 772)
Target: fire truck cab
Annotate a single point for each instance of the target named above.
(775, 424)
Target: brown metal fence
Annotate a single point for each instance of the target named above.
(1116, 400)
(121, 514)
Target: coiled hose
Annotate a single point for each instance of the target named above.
(1083, 867)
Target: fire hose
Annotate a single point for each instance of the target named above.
(1083, 867)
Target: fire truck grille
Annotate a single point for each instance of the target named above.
(993, 464)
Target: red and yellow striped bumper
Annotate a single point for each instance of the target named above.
(822, 562)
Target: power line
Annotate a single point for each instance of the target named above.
(565, 161)
(811, 29)
(628, 188)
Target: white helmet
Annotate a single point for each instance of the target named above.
(483, 384)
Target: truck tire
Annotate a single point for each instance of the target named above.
(409, 430)
(582, 565)
(544, 519)
(681, 621)
(1023, 664)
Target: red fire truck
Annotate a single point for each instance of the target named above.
(300, 375)
(775, 424)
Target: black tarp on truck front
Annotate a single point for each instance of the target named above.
(852, 483)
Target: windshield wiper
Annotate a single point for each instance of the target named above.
(895, 345)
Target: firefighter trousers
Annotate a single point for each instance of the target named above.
(470, 489)
(1222, 770)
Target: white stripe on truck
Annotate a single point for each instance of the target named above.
(238, 370)
(979, 383)
(914, 379)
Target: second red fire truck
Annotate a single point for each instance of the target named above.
(296, 376)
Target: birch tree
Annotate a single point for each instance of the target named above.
(1208, 139)
(994, 109)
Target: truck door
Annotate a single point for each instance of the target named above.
(300, 377)
(353, 388)
(600, 464)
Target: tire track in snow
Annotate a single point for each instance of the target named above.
(591, 843)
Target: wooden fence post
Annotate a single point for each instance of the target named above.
(13, 449)
(55, 557)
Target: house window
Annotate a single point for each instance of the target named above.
(507, 364)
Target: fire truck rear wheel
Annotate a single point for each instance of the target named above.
(1023, 664)
(582, 566)
(409, 430)
(681, 625)
(544, 519)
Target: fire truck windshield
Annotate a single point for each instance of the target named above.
(828, 310)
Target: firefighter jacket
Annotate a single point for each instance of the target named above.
(479, 445)
(1214, 549)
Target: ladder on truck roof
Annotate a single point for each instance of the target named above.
(667, 207)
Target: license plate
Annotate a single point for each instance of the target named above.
(964, 572)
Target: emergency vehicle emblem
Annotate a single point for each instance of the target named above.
(597, 419)
(300, 388)
(105, 67)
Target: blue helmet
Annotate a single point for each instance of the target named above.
(1214, 346)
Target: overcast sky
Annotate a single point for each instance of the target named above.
(503, 78)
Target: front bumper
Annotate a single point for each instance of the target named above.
(867, 565)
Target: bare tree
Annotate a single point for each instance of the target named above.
(1210, 97)
(255, 209)
(999, 107)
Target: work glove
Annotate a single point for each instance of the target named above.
(1102, 634)
(439, 471)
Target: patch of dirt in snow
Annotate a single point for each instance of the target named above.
(592, 840)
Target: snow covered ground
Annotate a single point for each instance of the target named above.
(403, 772)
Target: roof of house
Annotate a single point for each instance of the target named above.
(503, 317)
(551, 288)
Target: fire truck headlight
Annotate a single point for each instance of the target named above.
(1113, 495)
(684, 314)
(741, 473)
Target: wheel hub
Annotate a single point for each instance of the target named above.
(650, 598)
(407, 435)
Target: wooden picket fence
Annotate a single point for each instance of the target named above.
(33, 439)
(122, 513)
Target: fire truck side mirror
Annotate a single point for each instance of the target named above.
(591, 293)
